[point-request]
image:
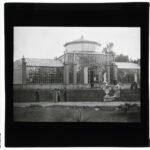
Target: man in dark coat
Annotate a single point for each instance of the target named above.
(65, 95)
(37, 96)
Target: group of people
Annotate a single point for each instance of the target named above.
(92, 82)
(116, 88)
(59, 95)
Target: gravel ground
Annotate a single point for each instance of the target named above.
(74, 113)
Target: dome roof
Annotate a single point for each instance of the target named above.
(81, 40)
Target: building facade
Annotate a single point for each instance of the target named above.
(81, 64)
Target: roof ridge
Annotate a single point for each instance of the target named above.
(41, 58)
(127, 62)
(82, 40)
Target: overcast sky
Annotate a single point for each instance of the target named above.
(48, 42)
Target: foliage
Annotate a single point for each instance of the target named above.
(127, 106)
(108, 49)
(122, 58)
(137, 61)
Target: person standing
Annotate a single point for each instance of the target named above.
(65, 95)
(37, 96)
(55, 95)
(58, 95)
(117, 90)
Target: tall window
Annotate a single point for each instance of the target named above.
(71, 74)
(44, 75)
(125, 76)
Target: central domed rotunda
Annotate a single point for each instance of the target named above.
(82, 45)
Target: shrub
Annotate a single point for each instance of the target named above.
(127, 106)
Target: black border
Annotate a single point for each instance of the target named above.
(76, 134)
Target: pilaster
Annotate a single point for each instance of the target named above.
(108, 73)
(85, 75)
(66, 73)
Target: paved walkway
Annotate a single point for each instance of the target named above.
(79, 104)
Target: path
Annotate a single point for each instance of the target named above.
(79, 104)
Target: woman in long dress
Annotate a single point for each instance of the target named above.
(117, 91)
(55, 95)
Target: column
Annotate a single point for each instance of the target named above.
(108, 73)
(74, 73)
(115, 72)
(23, 71)
(81, 72)
(66, 73)
(135, 77)
(105, 78)
(99, 77)
(85, 75)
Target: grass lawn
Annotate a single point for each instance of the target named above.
(74, 114)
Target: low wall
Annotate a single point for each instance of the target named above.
(73, 95)
(29, 95)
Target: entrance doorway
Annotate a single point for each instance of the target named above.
(91, 76)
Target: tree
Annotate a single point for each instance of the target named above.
(108, 49)
(137, 61)
(110, 46)
(122, 58)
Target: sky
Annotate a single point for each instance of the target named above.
(48, 42)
